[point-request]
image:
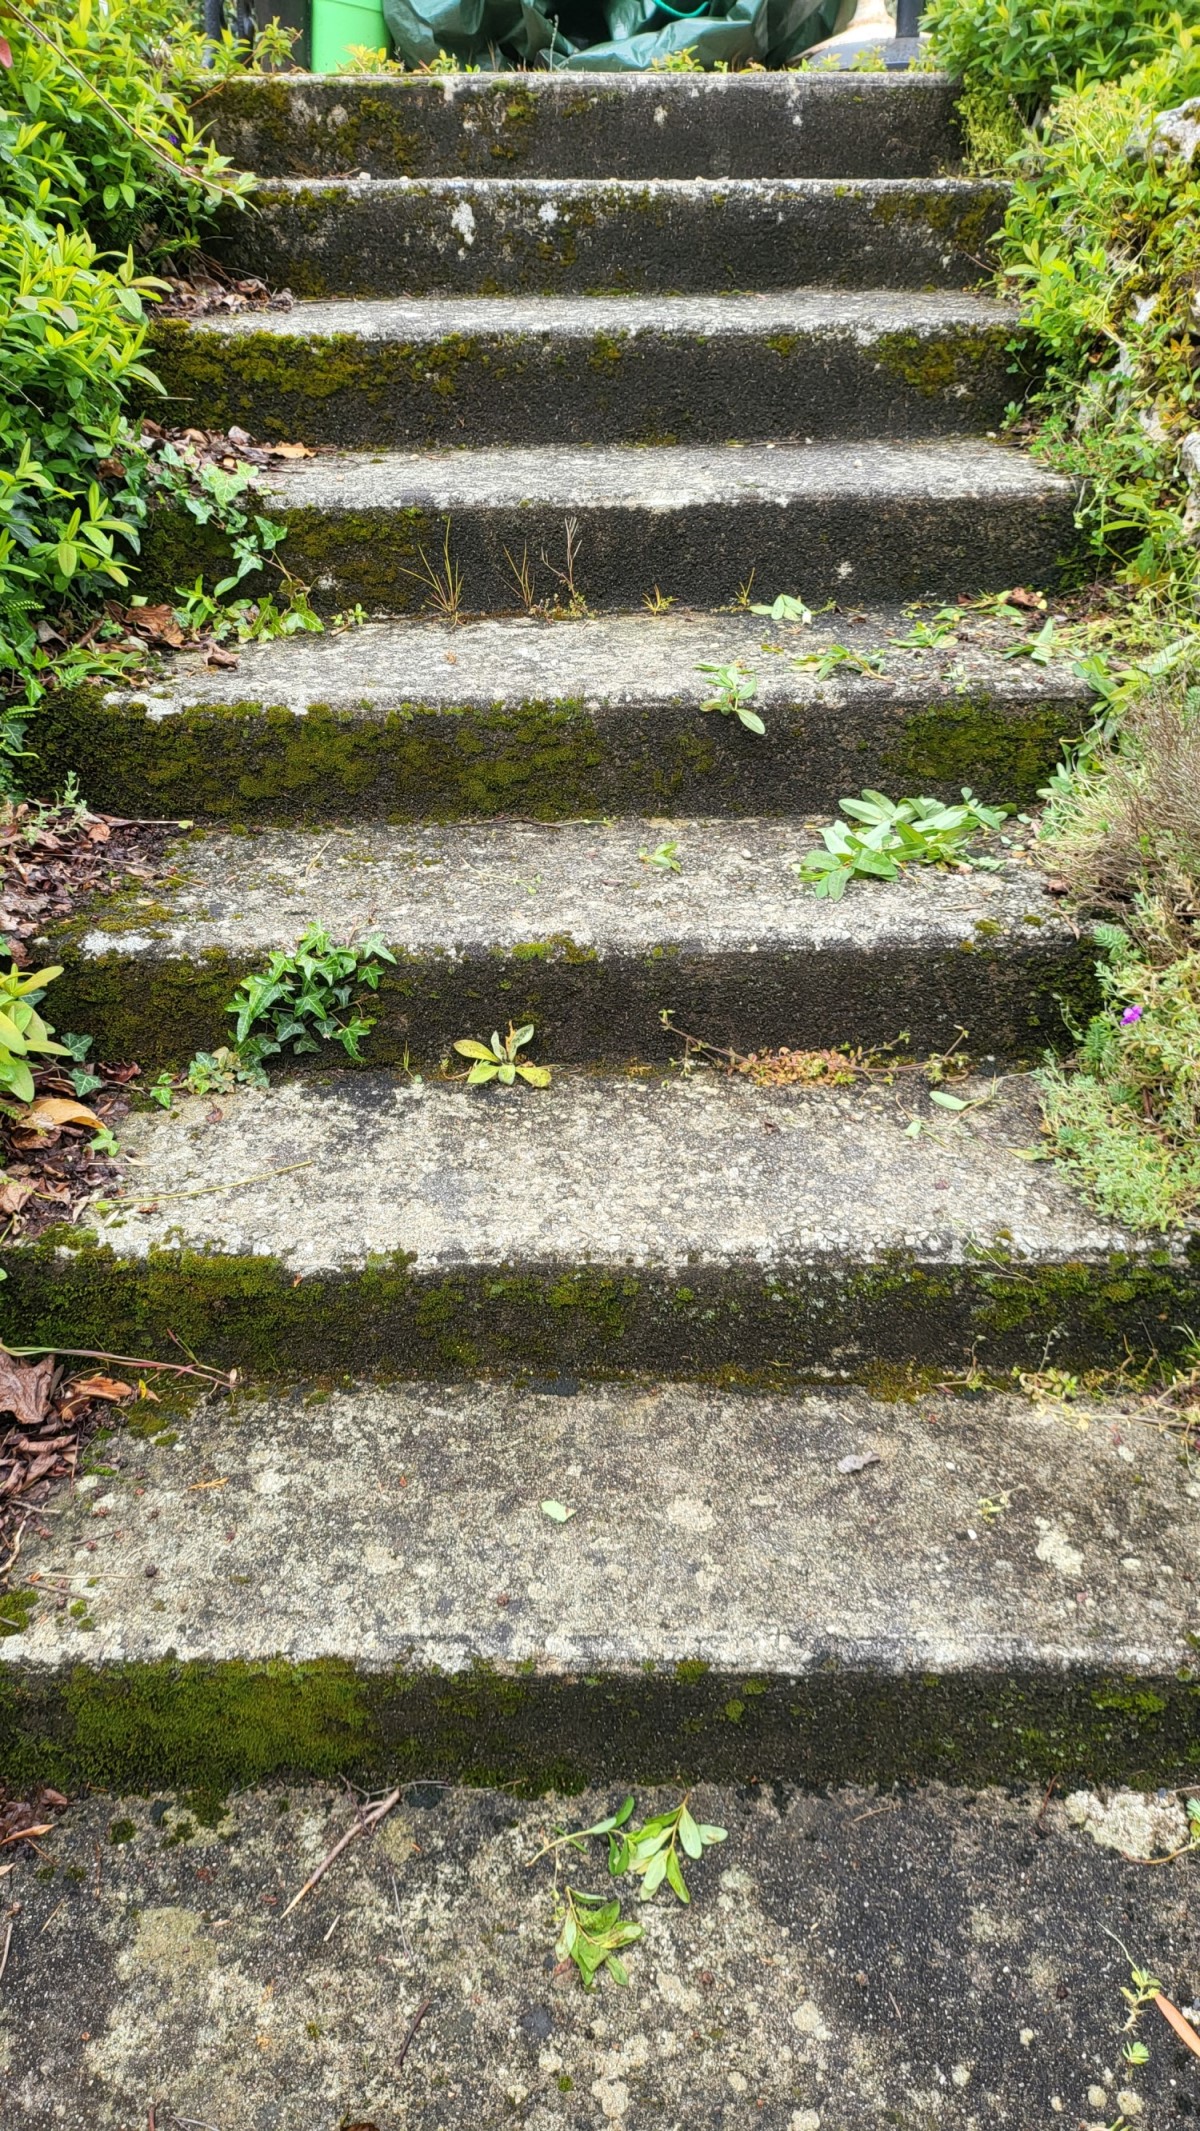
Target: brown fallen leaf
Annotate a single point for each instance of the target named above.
(25, 1388)
(291, 451)
(13, 1194)
(220, 657)
(50, 1110)
(156, 623)
(100, 1387)
(1174, 2018)
(1020, 597)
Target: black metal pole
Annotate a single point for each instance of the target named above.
(908, 18)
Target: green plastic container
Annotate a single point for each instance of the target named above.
(337, 24)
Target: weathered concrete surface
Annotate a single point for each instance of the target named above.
(688, 1228)
(552, 719)
(631, 369)
(574, 928)
(888, 521)
(935, 1961)
(996, 1591)
(514, 236)
(617, 125)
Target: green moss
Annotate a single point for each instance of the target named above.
(972, 738)
(122, 1831)
(16, 1606)
(938, 365)
(132, 1729)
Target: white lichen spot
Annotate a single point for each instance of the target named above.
(170, 1940)
(463, 220)
(845, 569)
(1055, 1549)
(960, 2075)
(689, 1514)
(1027, 2036)
(1129, 2103)
(547, 212)
(1097, 2098)
(736, 2083)
(808, 2021)
(613, 2097)
(805, 2120)
(1129, 1821)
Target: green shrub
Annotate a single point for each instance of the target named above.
(1017, 53)
(101, 175)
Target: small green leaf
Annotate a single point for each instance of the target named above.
(947, 1102)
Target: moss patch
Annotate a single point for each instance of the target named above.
(131, 1729)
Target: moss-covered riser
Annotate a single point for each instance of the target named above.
(904, 546)
(379, 240)
(1011, 993)
(608, 388)
(743, 1323)
(254, 762)
(541, 125)
(138, 1728)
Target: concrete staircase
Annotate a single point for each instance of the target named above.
(740, 1333)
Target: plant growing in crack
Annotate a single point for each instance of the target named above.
(499, 1061)
(307, 998)
(733, 689)
(884, 835)
(444, 585)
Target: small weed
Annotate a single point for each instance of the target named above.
(523, 579)
(663, 856)
(685, 62)
(306, 998)
(591, 1934)
(786, 608)
(931, 635)
(498, 1060)
(733, 688)
(82, 1079)
(23, 1033)
(1039, 649)
(592, 1929)
(657, 602)
(445, 586)
(836, 656)
(576, 605)
(895, 834)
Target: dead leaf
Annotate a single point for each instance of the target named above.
(1174, 2018)
(110, 470)
(25, 1388)
(98, 832)
(50, 1110)
(100, 1387)
(1019, 597)
(291, 451)
(13, 1194)
(858, 1461)
(219, 657)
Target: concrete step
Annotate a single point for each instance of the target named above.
(871, 520)
(596, 370)
(695, 1228)
(931, 1957)
(363, 1582)
(502, 236)
(414, 719)
(615, 125)
(568, 927)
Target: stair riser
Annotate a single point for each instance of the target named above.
(512, 238)
(795, 1322)
(843, 546)
(607, 1010)
(136, 1729)
(625, 125)
(253, 762)
(646, 388)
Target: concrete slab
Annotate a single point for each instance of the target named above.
(500, 236)
(615, 125)
(575, 928)
(989, 1589)
(937, 1959)
(630, 369)
(888, 521)
(687, 1227)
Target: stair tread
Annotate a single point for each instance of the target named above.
(742, 1546)
(812, 1947)
(866, 314)
(672, 478)
(604, 659)
(474, 888)
(690, 1177)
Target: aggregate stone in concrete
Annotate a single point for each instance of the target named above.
(365, 236)
(936, 1961)
(752, 1534)
(617, 125)
(464, 370)
(577, 928)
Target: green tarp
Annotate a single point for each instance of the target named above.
(608, 36)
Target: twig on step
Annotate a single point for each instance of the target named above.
(361, 1826)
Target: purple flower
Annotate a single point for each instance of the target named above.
(1131, 1014)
